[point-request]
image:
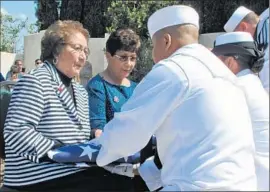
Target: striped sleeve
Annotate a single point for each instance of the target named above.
(24, 113)
(263, 34)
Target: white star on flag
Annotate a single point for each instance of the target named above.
(87, 151)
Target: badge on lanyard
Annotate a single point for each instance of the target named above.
(116, 99)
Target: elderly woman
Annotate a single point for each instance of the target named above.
(48, 109)
(110, 89)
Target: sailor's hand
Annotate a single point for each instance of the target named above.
(124, 169)
(135, 169)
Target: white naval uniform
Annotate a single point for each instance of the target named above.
(263, 37)
(258, 102)
(200, 119)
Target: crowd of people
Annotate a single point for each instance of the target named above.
(17, 70)
(207, 109)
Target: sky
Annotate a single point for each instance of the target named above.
(21, 9)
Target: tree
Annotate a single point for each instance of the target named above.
(89, 13)
(99, 17)
(132, 14)
(94, 17)
(135, 14)
(10, 31)
(46, 12)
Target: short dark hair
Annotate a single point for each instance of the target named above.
(14, 69)
(37, 60)
(16, 61)
(123, 39)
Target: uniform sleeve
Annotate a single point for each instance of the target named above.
(24, 114)
(152, 101)
(97, 106)
(151, 174)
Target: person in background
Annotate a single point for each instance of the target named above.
(19, 64)
(48, 109)
(14, 73)
(240, 54)
(1, 77)
(110, 89)
(246, 20)
(23, 71)
(38, 63)
(191, 102)
(86, 73)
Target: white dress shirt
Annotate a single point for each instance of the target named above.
(258, 103)
(190, 101)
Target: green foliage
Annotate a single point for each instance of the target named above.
(144, 62)
(10, 30)
(133, 14)
(93, 17)
(89, 12)
(46, 12)
(99, 17)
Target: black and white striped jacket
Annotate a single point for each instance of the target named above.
(262, 34)
(262, 30)
(41, 110)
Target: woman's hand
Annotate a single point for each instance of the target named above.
(98, 133)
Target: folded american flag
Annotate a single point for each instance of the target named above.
(84, 152)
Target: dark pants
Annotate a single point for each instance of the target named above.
(92, 179)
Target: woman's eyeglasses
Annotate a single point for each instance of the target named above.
(124, 58)
(79, 48)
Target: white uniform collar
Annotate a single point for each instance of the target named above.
(186, 46)
(244, 72)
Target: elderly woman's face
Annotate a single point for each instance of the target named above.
(73, 56)
(122, 63)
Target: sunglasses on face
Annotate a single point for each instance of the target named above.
(124, 58)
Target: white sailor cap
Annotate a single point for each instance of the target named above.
(236, 18)
(241, 46)
(170, 16)
(235, 43)
(233, 37)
